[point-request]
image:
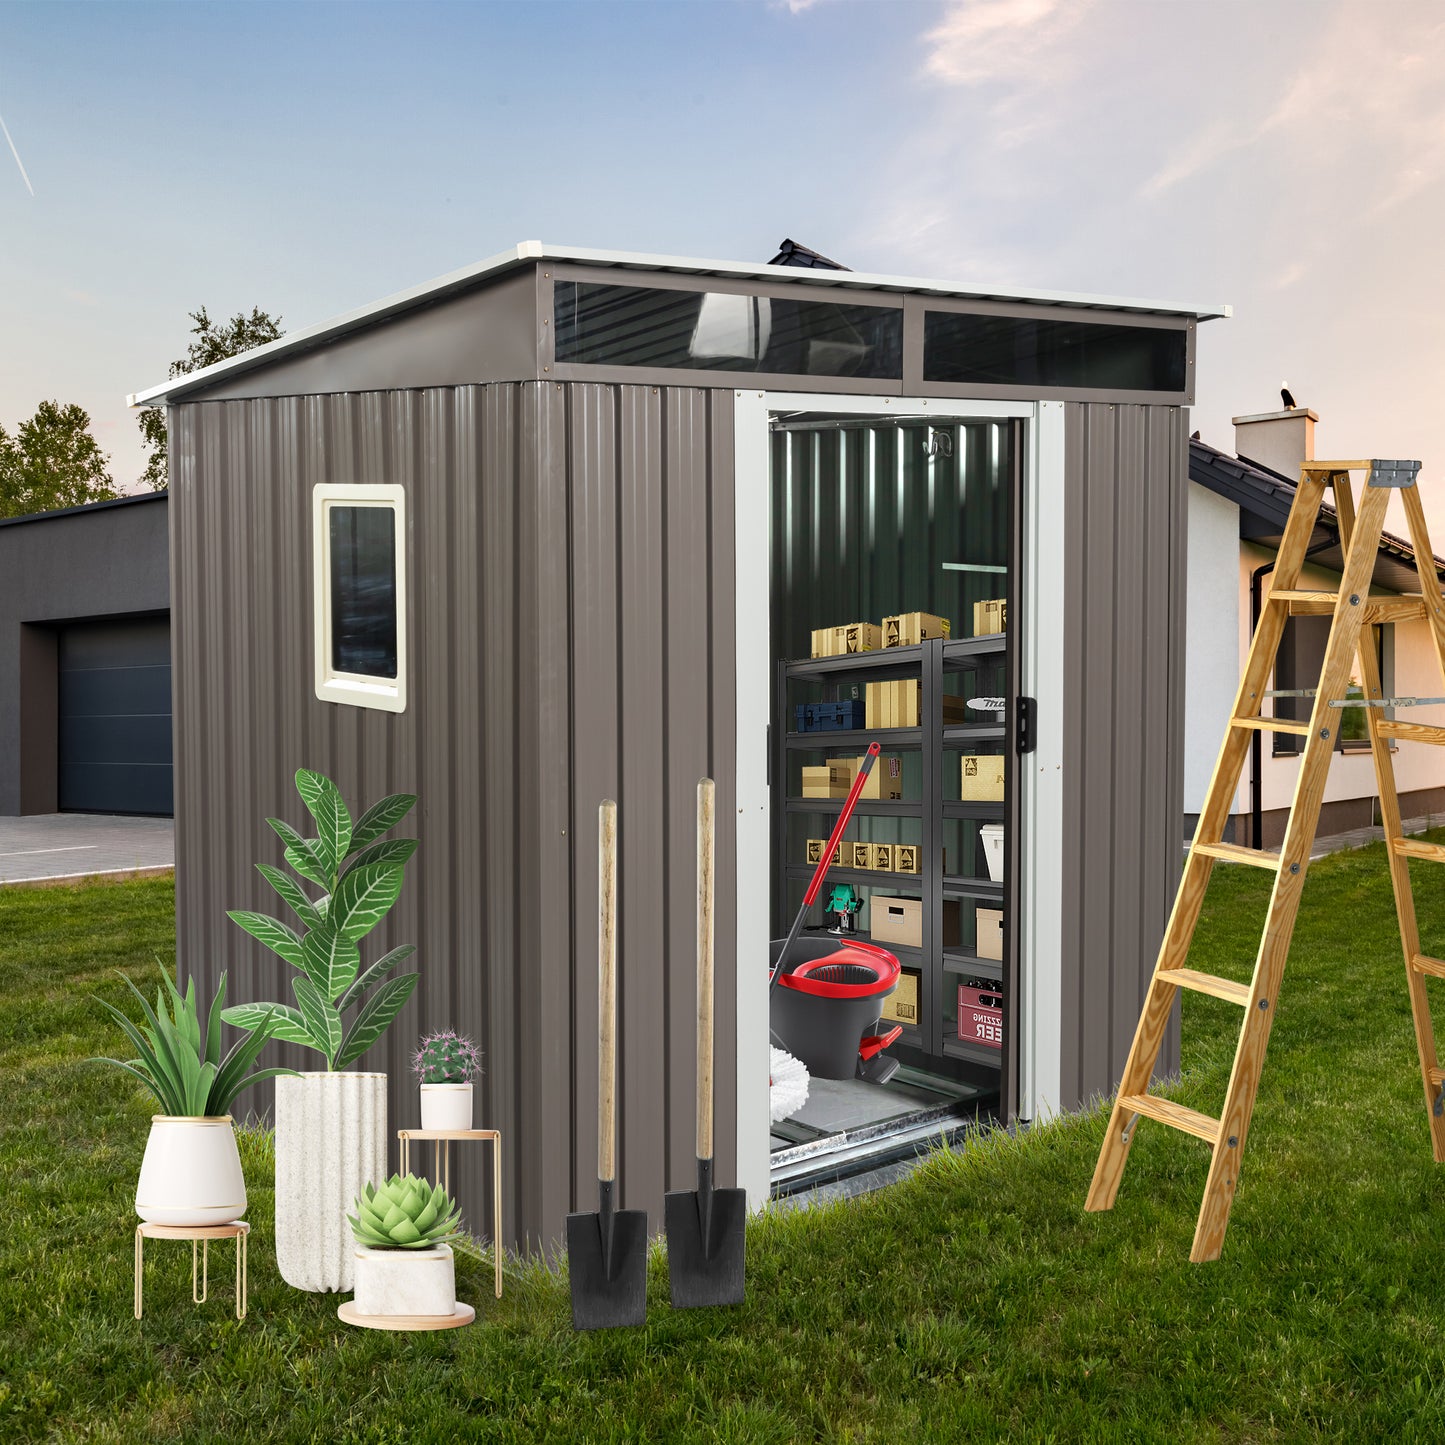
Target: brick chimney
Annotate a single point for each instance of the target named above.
(1279, 440)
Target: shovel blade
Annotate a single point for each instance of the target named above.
(609, 1286)
(705, 1265)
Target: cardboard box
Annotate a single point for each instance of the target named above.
(908, 628)
(873, 705)
(901, 1006)
(980, 1013)
(882, 861)
(815, 852)
(990, 617)
(829, 641)
(981, 779)
(988, 923)
(907, 858)
(955, 710)
(862, 637)
(906, 711)
(831, 780)
(901, 921)
(896, 920)
(856, 855)
(884, 782)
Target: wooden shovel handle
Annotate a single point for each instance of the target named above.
(706, 802)
(607, 991)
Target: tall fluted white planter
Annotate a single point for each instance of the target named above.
(330, 1140)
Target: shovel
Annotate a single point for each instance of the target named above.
(705, 1228)
(607, 1251)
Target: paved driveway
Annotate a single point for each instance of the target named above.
(48, 846)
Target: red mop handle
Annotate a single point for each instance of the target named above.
(826, 860)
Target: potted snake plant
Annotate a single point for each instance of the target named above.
(190, 1173)
(330, 1123)
(404, 1266)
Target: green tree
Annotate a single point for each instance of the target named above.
(52, 461)
(214, 341)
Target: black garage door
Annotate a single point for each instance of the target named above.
(115, 717)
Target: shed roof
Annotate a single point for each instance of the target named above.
(529, 253)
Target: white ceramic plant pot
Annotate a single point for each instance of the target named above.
(405, 1281)
(330, 1141)
(446, 1106)
(191, 1172)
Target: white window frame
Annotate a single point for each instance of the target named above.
(350, 688)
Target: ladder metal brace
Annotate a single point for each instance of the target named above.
(1393, 474)
(1386, 701)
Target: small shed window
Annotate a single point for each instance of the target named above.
(603, 325)
(962, 347)
(360, 595)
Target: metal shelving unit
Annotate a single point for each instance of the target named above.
(939, 968)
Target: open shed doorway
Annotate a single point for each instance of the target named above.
(874, 516)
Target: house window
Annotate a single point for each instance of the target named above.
(1300, 661)
(359, 601)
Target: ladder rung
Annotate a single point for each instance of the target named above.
(1409, 732)
(1437, 1077)
(1271, 725)
(1175, 1115)
(1299, 597)
(1223, 988)
(1233, 853)
(1330, 468)
(1431, 967)
(1415, 848)
(1303, 603)
(1405, 608)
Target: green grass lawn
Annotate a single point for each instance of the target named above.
(976, 1300)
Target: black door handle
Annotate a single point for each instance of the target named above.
(1024, 739)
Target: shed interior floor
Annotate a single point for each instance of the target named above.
(848, 1120)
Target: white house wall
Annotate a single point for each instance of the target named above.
(1212, 650)
(1352, 775)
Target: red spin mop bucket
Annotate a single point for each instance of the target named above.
(825, 1009)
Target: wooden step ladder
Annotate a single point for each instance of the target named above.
(1355, 615)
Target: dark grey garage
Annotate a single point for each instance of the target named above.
(85, 660)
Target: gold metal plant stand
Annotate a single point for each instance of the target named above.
(442, 1171)
(198, 1234)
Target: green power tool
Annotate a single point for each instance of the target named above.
(842, 906)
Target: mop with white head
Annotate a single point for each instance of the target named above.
(789, 1085)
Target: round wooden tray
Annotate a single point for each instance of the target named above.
(348, 1313)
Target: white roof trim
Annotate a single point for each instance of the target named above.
(530, 251)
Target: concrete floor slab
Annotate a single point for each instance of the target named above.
(48, 847)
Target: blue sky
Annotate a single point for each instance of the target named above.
(1287, 156)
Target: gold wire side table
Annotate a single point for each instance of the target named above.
(202, 1235)
(442, 1170)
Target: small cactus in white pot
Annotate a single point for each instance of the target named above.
(446, 1064)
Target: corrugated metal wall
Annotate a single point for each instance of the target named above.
(1126, 475)
(529, 506)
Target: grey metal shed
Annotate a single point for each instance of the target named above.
(593, 450)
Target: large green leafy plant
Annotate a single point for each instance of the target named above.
(183, 1070)
(361, 877)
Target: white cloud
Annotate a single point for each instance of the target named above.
(1001, 42)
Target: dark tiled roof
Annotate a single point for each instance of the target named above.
(791, 253)
(1264, 497)
(130, 501)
